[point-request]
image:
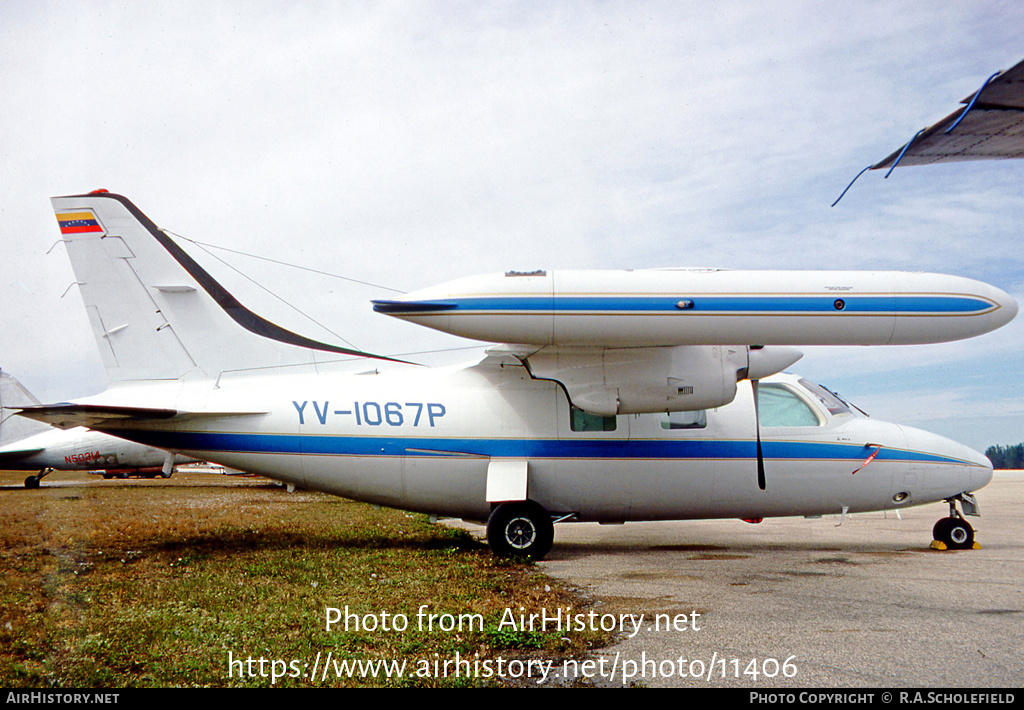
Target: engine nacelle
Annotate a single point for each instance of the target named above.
(671, 379)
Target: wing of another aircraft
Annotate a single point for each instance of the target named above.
(990, 126)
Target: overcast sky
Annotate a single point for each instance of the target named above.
(410, 143)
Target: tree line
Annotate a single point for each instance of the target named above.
(1004, 457)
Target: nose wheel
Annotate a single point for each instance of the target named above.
(953, 533)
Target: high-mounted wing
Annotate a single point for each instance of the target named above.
(628, 342)
(990, 126)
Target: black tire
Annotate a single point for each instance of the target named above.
(32, 482)
(954, 533)
(520, 530)
(939, 529)
(960, 535)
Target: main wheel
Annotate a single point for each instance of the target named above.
(520, 530)
(32, 482)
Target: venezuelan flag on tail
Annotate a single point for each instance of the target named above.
(78, 223)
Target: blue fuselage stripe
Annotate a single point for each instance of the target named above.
(295, 444)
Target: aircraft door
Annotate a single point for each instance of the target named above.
(596, 477)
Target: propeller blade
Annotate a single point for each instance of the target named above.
(757, 429)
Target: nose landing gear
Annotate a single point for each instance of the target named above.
(955, 533)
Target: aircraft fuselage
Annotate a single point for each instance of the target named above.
(429, 441)
(77, 450)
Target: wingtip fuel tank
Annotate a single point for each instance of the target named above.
(667, 307)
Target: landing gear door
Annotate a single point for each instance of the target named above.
(507, 480)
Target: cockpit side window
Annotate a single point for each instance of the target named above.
(832, 403)
(779, 406)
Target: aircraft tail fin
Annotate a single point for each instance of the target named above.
(13, 396)
(155, 312)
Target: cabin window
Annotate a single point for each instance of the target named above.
(779, 406)
(585, 421)
(685, 420)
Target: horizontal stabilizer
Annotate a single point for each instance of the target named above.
(13, 454)
(94, 416)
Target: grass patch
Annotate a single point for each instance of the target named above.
(206, 580)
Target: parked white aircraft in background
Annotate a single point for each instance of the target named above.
(621, 396)
(28, 445)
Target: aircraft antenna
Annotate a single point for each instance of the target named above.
(203, 246)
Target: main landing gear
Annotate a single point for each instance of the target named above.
(955, 533)
(32, 482)
(521, 529)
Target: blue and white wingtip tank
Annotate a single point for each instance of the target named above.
(664, 307)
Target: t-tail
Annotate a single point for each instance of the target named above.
(155, 312)
(13, 397)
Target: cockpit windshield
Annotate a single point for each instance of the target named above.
(835, 404)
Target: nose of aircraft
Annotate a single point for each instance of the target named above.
(955, 468)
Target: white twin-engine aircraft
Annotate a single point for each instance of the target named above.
(632, 395)
(28, 445)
